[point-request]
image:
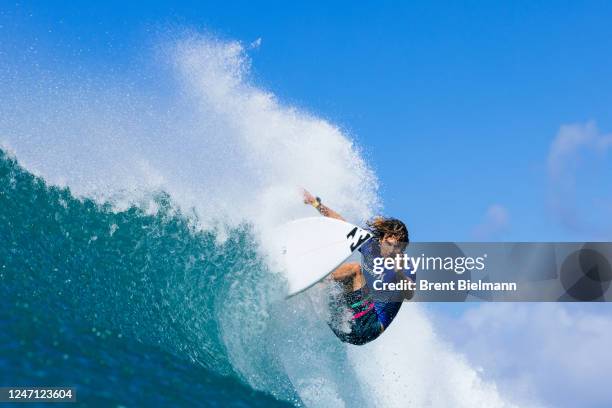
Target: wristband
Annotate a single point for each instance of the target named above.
(317, 203)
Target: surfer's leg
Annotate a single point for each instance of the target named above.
(353, 317)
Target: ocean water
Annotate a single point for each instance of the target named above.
(133, 220)
(121, 305)
(138, 309)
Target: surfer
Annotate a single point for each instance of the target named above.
(367, 311)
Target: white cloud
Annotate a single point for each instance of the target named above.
(573, 149)
(571, 140)
(557, 353)
(495, 221)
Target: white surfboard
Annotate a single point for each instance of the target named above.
(311, 248)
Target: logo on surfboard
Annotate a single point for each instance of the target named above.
(357, 237)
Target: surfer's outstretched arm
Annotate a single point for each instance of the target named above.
(322, 209)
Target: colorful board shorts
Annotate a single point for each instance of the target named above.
(358, 308)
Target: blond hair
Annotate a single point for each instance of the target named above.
(382, 226)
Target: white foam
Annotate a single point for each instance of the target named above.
(208, 137)
(409, 366)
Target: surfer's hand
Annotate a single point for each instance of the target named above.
(308, 198)
(322, 209)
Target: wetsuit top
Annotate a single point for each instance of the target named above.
(386, 303)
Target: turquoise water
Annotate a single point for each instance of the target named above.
(123, 305)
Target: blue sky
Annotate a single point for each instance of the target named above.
(456, 106)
